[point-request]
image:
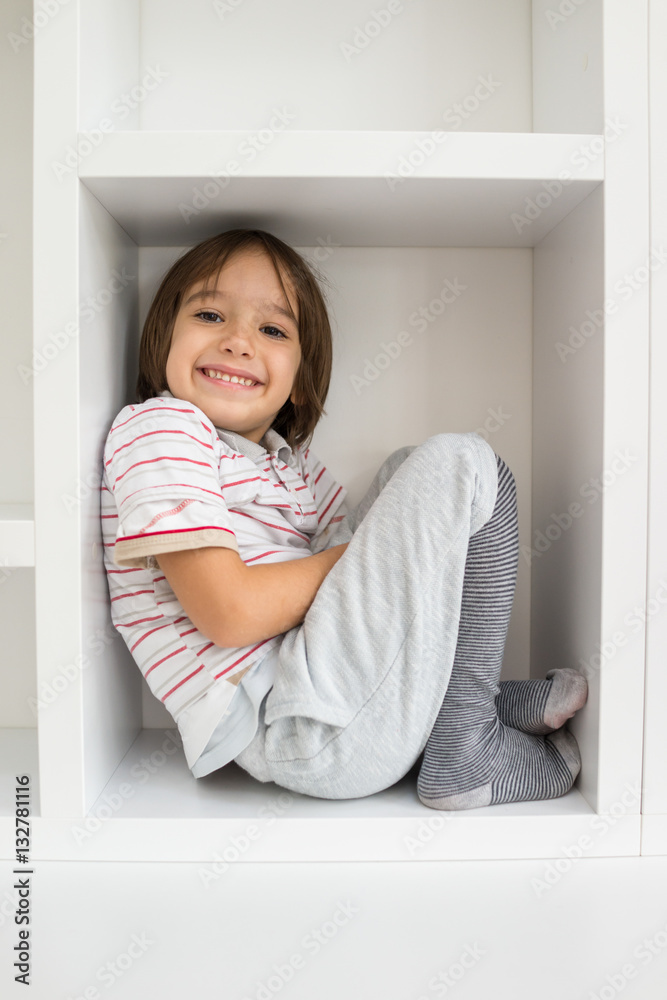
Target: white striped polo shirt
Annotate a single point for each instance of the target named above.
(173, 481)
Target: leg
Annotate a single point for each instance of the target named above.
(372, 658)
(471, 757)
(533, 706)
(344, 530)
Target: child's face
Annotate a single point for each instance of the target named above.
(236, 327)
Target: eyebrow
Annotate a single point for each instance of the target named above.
(220, 295)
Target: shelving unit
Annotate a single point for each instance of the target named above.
(562, 144)
(654, 824)
(17, 541)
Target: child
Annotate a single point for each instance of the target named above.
(325, 649)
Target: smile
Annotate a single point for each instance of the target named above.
(239, 383)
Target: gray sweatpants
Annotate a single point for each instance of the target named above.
(360, 681)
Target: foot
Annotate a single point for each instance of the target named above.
(541, 706)
(521, 767)
(569, 691)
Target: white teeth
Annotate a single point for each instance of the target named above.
(226, 378)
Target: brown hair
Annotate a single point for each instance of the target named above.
(295, 423)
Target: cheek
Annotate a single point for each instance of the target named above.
(176, 365)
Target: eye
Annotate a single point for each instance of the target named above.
(204, 313)
(276, 330)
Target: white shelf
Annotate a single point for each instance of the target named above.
(153, 810)
(654, 834)
(360, 188)
(18, 755)
(17, 535)
(135, 198)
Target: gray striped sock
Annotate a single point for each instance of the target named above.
(471, 757)
(541, 706)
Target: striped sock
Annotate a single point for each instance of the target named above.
(541, 706)
(471, 757)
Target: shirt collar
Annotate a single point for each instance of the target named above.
(274, 443)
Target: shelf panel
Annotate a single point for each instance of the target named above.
(345, 188)
(154, 810)
(18, 755)
(17, 535)
(654, 834)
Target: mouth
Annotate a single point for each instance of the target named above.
(223, 380)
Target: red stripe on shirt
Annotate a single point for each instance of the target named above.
(139, 621)
(179, 531)
(160, 458)
(176, 686)
(270, 552)
(330, 502)
(242, 658)
(131, 593)
(146, 634)
(146, 489)
(240, 482)
(290, 531)
(151, 409)
(163, 430)
(181, 649)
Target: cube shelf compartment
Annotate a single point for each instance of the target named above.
(536, 203)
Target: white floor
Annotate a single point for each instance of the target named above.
(388, 931)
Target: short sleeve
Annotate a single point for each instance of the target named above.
(161, 464)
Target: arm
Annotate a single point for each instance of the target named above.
(235, 605)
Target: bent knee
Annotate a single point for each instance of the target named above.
(458, 441)
(401, 454)
(466, 445)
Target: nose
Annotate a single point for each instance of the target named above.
(237, 334)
